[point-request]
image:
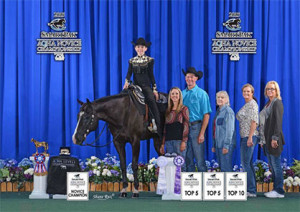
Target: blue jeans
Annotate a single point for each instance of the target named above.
(277, 173)
(174, 146)
(195, 150)
(225, 161)
(246, 159)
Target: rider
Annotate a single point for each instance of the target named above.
(142, 68)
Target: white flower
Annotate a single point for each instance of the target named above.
(95, 171)
(104, 172)
(94, 164)
(290, 179)
(98, 173)
(8, 179)
(93, 158)
(153, 160)
(87, 163)
(130, 177)
(29, 171)
(108, 173)
(150, 166)
(267, 174)
(296, 178)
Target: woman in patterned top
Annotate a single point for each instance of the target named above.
(176, 129)
(248, 121)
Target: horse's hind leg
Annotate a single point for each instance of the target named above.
(135, 156)
(120, 146)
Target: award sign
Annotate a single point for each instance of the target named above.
(236, 186)
(77, 186)
(213, 185)
(191, 186)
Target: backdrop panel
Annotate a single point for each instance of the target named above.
(38, 94)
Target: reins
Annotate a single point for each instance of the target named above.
(119, 131)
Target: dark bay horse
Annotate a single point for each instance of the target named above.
(125, 123)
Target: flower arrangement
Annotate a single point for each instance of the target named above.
(262, 172)
(11, 171)
(109, 170)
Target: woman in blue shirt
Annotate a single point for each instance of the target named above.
(224, 140)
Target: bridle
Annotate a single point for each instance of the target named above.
(98, 137)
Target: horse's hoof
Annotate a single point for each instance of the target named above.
(135, 195)
(123, 195)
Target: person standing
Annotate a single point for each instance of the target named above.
(142, 68)
(224, 137)
(176, 128)
(198, 104)
(248, 121)
(271, 136)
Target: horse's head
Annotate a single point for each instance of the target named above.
(87, 122)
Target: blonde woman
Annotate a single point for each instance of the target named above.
(176, 129)
(248, 121)
(224, 137)
(271, 136)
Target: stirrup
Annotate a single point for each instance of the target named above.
(152, 128)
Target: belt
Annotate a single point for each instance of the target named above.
(195, 122)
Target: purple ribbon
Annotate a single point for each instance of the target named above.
(40, 168)
(178, 162)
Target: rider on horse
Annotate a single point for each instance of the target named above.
(142, 68)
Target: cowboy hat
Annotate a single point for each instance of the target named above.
(192, 70)
(141, 41)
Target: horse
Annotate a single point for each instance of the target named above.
(125, 123)
(40, 144)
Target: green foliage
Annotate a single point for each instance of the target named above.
(296, 167)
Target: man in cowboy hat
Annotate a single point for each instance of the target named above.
(198, 104)
(142, 68)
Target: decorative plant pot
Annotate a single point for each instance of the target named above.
(110, 186)
(152, 186)
(259, 187)
(116, 187)
(3, 187)
(265, 187)
(271, 186)
(98, 187)
(104, 186)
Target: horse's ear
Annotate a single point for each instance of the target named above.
(80, 102)
(88, 101)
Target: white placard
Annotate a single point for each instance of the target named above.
(213, 185)
(236, 186)
(191, 186)
(77, 186)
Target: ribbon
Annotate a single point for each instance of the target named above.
(40, 168)
(162, 183)
(178, 162)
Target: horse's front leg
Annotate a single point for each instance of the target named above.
(135, 156)
(120, 146)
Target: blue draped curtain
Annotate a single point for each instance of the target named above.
(38, 94)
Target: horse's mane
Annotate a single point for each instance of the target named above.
(108, 98)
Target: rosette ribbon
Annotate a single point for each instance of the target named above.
(178, 162)
(162, 183)
(40, 168)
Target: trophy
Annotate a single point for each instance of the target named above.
(40, 144)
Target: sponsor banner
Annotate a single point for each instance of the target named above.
(191, 186)
(236, 186)
(213, 186)
(235, 41)
(77, 186)
(59, 42)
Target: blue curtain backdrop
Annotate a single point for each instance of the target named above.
(38, 94)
